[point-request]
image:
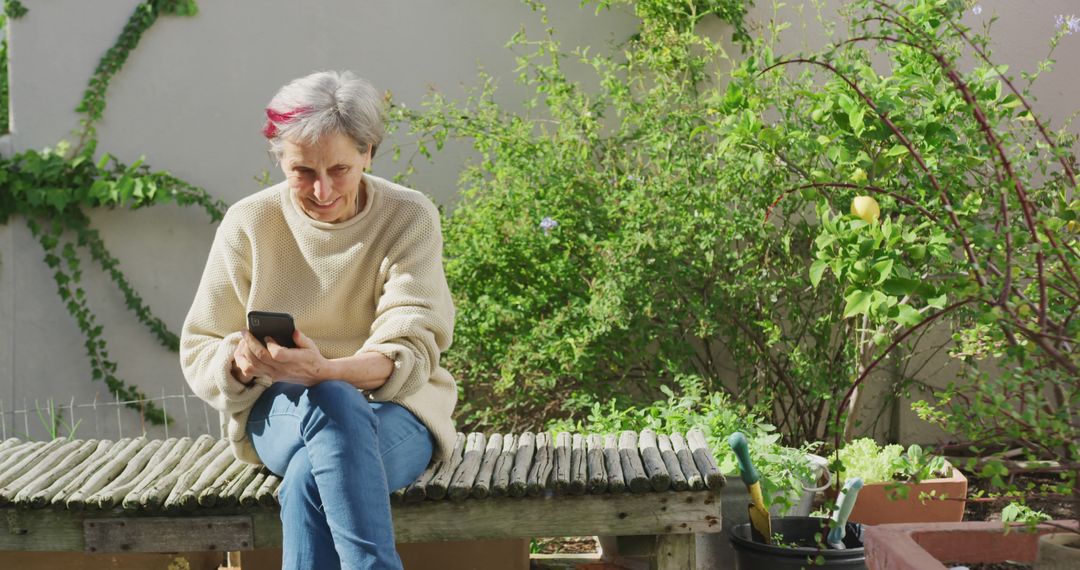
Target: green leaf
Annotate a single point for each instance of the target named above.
(896, 150)
(124, 188)
(858, 303)
(883, 269)
(937, 302)
(855, 119)
(58, 198)
(817, 269)
(900, 286)
(907, 316)
(758, 160)
(99, 190)
(824, 240)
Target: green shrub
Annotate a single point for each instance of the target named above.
(610, 240)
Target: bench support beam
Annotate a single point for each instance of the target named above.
(675, 552)
(624, 514)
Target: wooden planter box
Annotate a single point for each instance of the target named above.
(875, 507)
(926, 546)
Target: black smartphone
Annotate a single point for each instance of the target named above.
(278, 326)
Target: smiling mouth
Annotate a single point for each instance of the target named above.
(322, 206)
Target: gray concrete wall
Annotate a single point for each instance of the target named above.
(191, 97)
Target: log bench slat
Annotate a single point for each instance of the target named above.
(598, 479)
(578, 471)
(465, 477)
(613, 465)
(500, 479)
(492, 450)
(562, 462)
(523, 458)
(667, 453)
(632, 468)
(654, 465)
(417, 490)
(686, 463)
(704, 460)
(436, 488)
(540, 471)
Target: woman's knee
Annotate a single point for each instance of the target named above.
(338, 395)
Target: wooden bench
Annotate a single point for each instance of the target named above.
(184, 494)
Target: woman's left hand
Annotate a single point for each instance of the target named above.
(301, 365)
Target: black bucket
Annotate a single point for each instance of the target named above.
(800, 531)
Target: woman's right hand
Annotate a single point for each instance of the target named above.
(246, 365)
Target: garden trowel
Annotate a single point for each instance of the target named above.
(844, 502)
(760, 524)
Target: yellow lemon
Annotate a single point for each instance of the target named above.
(866, 208)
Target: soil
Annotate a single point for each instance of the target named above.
(983, 509)
(568, 545)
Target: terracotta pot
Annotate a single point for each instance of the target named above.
(1057, 551)
(876, 507)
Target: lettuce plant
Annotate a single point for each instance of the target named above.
(864, 458)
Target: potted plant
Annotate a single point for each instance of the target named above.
(903, 486)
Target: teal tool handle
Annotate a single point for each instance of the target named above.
(749, 475)
(846, 502)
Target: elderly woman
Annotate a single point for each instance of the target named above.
(361, 404)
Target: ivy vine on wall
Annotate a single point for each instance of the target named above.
(12, 10)
(53, 188)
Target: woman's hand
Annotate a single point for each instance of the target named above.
(301, 365)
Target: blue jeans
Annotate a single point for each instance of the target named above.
(329, 442)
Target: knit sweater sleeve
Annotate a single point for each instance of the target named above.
(212, 328)
(414, 315)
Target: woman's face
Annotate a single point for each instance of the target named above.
(325, 177)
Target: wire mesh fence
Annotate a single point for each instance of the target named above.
(36, 419)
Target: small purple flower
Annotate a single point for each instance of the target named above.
(1070, 23)
(976, 9)
(548, 224)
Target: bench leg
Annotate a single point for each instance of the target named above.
(675, 552)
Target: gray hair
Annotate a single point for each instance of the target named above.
(324, 103)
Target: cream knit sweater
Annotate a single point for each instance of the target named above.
(373, 283)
